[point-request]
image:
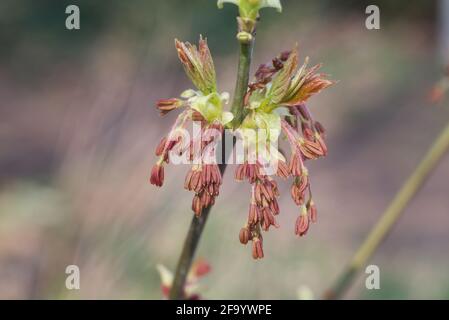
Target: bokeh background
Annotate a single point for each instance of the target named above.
(78, 130)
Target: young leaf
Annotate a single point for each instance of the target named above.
(281, 82)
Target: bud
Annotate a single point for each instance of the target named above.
(312, 211)
(196, 205)
(157, 175)
(200, 268)
(198, 64)
(296, 164)
(284, 55)
(282, 170)
(307, 131)
(244, 235)
(167, 105)
(257, 248)
(302, 223)
(320, 128)
(161, 147)
(322, 144)
(253, 215)
(312, 150)
(244, 37)
(304, 111)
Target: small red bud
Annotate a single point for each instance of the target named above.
(157, 175)
(257, 249)
(244, 235)
(302, 225)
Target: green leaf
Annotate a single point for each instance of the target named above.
(271, 4)
(198, 64)
(250, 8)
(298, 80)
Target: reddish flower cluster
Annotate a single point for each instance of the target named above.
(204, 107)
(263, 208)
(278, 86)
(309, 146)
(204, 178)
(205, 181)
(306, 140)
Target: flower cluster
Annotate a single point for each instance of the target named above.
(204, 105)
(276, 104)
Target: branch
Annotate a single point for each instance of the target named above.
(197, 224)
(391, 215)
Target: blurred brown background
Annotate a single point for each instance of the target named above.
(78, 129)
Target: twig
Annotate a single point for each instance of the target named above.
(391, 215)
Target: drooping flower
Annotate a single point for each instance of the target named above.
(205, 106)
(275, 104)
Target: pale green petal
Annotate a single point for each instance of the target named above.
(226, 117)
(225, 97)
(254, 105)
(260, 121)
(209, 106)
(165, 274)
(199, 104)
(188, 94)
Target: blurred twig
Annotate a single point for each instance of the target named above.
(197, 224)
(391, 215)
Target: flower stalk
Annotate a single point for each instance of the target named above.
(391, 215)
(246, 51)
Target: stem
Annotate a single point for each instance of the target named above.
(197, 224)
(241, 87)
(391, 215)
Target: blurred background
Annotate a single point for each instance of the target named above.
(78, 129)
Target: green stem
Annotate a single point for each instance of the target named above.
(391, 215)
(241, 87)
(197, 225)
